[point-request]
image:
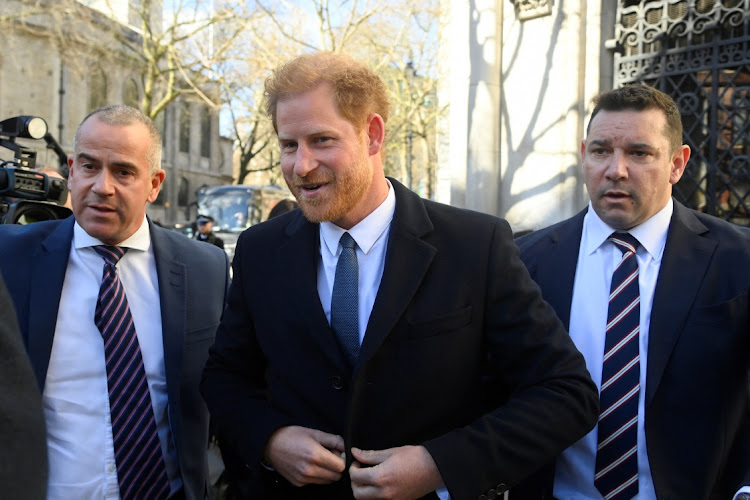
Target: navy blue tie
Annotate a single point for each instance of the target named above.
(616, 475)
(141, 472)
(345, 299)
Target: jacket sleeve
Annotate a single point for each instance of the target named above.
(233, 382)
(548, 399)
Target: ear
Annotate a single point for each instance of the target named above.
(156, 181)
(679, 162)
(375, 128)
(71, 171)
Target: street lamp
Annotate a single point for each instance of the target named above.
(410, 73)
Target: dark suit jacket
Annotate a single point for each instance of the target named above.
(460, 355)
(193, 278)
(697, 420)
(23, 454)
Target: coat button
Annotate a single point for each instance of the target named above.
(491, 495)
(337, 382)
(501, 488)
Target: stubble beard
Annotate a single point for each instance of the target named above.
(348, 189)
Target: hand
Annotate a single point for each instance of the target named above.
(402, 473)
(306, 456)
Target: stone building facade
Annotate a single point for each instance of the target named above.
(519, 77)
(62, 82)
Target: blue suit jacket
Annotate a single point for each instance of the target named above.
(193, 278)
(697, 404)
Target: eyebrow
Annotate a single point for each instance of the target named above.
(86, 156)
(310, 133)
(631, 145)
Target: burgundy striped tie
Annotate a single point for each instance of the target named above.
(141, 473)
(616, 458)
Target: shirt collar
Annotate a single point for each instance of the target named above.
(367, 231)
(140, 240)
(651, 234)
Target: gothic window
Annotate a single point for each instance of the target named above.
(185, 127)
(97, 89)
(182, 192)
(205, 132)
(130, 94)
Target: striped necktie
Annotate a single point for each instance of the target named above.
(616, 475)
(345, 299)
(141, 473)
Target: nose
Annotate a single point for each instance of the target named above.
(304, 161)
(103, 184)
(617, 167)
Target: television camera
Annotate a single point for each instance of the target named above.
(27, 195)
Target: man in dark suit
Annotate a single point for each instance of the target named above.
(443, 374)
(23, 457)
(174, 291)
(691, 431)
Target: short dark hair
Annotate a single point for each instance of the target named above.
(641, 97)
(120, 115)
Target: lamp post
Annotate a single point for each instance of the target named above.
(410, 73)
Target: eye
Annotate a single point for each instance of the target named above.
(288, 145)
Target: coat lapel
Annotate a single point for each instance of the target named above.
(406, 262)
(557, 276)
(50, 262)
(171, 275)
(675, 289)
(300, 255)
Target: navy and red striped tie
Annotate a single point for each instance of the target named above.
(616, 475)
(141, 473)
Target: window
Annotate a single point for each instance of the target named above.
(97, 89)
(182, 192)
(130, 94)
(185, 127)
(205, 132)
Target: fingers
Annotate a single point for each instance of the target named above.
(403, 472)
(365, 472)
(331, 441)
(372, 457)
(299, 456)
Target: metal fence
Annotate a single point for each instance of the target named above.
(697, 51)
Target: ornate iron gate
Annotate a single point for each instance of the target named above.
(697, 51)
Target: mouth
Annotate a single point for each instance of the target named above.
(101, 209)
(310, 188)
(615, 195)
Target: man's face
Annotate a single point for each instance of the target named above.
(629, 167)
(325, 160)
(205, 227)
(109, 179)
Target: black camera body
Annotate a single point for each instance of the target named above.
(27, 195)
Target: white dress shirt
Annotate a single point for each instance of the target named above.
(75, 398)
(371, 236)
(597, 259)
